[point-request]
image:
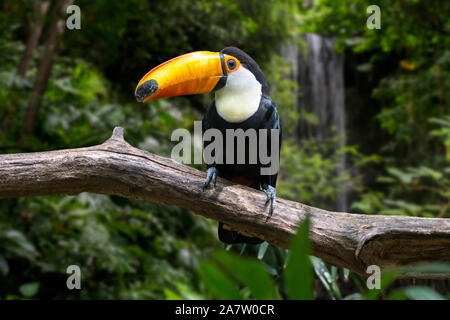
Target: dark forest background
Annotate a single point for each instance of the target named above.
(388, 154)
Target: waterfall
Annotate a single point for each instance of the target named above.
(319, 71)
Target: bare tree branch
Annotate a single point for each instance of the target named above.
(353, 241)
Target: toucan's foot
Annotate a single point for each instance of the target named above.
(271, 193)
(210, 176)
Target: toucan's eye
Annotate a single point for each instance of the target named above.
(231, 64)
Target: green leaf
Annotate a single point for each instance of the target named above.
(354, 296)
(397, 295)
(322, 272)
(422, 293)
(217, 283)
(401, 175)
(334, 273)
(386, 279)
(346, 274)
(28, 290)
(4, 267)
(262, 250)
(298, 273)
(249, 272)
(23, 246)
(244, 246)
(428, 269)
(187, 292)
(170, 295)
(325, 277)
(166, 119)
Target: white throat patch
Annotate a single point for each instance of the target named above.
(240, 98)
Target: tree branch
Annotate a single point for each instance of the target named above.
(353, 241)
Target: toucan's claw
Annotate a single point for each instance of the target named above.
(210, 176)
(271, 193)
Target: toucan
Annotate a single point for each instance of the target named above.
(241, 101)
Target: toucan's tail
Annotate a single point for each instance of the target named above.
(234, 237)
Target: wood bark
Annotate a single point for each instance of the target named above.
(354, 241)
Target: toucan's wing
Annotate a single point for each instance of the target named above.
(271, 121)
(206, 124)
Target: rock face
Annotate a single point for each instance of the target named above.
(319, 72)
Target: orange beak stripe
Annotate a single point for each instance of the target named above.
(192, 73)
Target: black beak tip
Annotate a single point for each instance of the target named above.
(146, 89)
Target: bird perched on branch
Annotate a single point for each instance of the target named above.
(241, 111)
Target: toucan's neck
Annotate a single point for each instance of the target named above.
(240, 98)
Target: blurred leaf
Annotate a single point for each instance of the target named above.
(250, 273)
(298, 273)
(325, 277)
(402, 176)
(28, 290)
(170, 295)
(354, 296)
(334, 273)
(428, 269)
(346, 274)
(244, 246)
(387, 278)
(262, 250)
(422, 293)
(188, 293)
(4, 267)
(217, 283)
(398, 294)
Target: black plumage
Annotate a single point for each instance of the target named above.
(266, 117)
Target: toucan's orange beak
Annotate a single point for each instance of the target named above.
(192, 73)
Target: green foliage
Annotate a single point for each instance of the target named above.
(306, 174)
(224, 269)
(417, 191)
(412, 95)
(298, 277)
(126, 249)
(411, 292)
(414, 40)
(228, 276)
(422, 293)
(327, 278)
(284, 91)
(443, 133)
(123, 251)
(28, 290)
(309, 171)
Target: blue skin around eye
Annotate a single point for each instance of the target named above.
(231, 64)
